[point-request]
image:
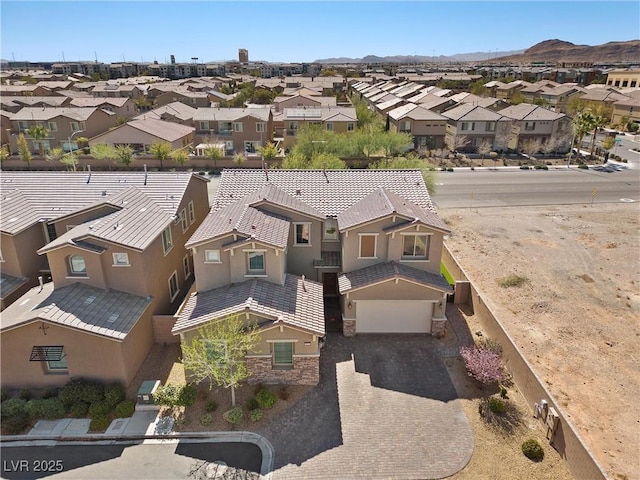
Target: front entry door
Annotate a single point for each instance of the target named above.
(330, 284)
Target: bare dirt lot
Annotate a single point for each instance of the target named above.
(576, 317)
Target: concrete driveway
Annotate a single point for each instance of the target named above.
(385, 408)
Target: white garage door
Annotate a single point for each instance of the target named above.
(396, 316)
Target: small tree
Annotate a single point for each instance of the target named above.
(483, 363)
(124, 154)
(38, 133)
(70, 160)
(217, 353)
(4, 153)
(214, 153)
(268, 152)
(55, 154)
(239, 158)
(180, 157)
(23, 149)
(161, 151)
(484, 148)
(531, 147)
(102, 151)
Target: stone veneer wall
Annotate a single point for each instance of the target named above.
(438, 327)
(349, 327)
(305, 371)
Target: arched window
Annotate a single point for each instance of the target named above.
(77, 265)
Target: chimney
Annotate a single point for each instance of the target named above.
(145, 173)
(41, 282)
(89, 177)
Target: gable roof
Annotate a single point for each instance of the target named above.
(528, 112)
(382, 203)
(109, 313)
(414, 112)
(177, 110)
(470, 112)
(169, 131)
(299, 303)
(230, 114)
(381, 272)
(48, 113)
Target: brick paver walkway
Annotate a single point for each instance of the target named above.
(385, 408)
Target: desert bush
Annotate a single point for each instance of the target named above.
(252, 404)
(266, 398)
(524, 167)
(98, 409)
(284, 393)
(25, 394)
(80, 389)
(50, 408)
(187, 395)
(583, 166)
(211, 406)
(49, 392)
(503, 393)
(491, 344)
(16, 423)
(99, 423)
(13, 406)
(206, 419)
(125, 409)
(483, 364)
(79, 410)
(512, 280)
(255, 415)
(532, 450)
(166, 395)
(234, 416)
(4, 395)
(497, 405)
(114, 393)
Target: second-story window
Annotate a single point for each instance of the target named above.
(415, 247)
(52, 126)
(77, 266)
(237, 127)
(490, 126)
(256, 263)
(183, 220)
(212, 256)
(75, 126)
(260, 127)
(204, 125)
(167, 241)
(330, 229)
(302, 234)
(368, 245)
(192, 213)
(174, 289)
(121, 259)
(350, 127)
(330, 126)
(529, 126)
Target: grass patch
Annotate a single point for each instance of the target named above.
(512, 280)
(446, 274)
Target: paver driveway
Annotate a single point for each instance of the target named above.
(385, 408)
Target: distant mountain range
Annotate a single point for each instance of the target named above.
(557, 51)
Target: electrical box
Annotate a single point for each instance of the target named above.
(552, 421)
(146, 391)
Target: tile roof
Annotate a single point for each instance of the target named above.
(381, 203)
(381, 272)
(415, 112)
(169, 131)
(329, 192)
(328, 260)
(230, 114)
(528, 112)
(49, 101)
(27, 198)
(320, 113)
(298, 303)
(40, 114)
(9, 283)
(98, 101)
(110, 313)
(470, 112)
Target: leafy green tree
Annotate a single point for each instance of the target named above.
(55, 154)
(23, 150)
(124, 154)
(599, 118)
(608, 143)
(516, 98)
(38, 133)
(160, 151)
(102, 151)
(409, 162)
(478, 88)
(180, 157)
(70, 160)
(268, 152)
(217, 353)
(393, 143)
(239, 158)
(214, 153)
(4, 153)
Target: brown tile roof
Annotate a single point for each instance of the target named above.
(110, 313)
(415, 112)
(382, 203)
(470, 112)
(381, 272)
(328, 260)
(40, 114)
(298, 303)
(528, 112)
(169, 131)
(9, 283)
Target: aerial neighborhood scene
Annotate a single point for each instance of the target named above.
(351, 245)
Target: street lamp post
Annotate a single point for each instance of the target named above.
(70, 137)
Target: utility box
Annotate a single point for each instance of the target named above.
(146, 391)
(552, 422)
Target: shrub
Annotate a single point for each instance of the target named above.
(80, 389)
(252, 404)
(50, 408)
(166, 395)
(450, 169)
(512, 280)
(16, 423)
(12, 407)
(257, 388)
(284, 393)
(98, 409)
(211, 406)
(524, 167)
(187, 395)
(4, 395)
(49, 392)
(79, 410)
(497, 405)
(234, 415)
(100, 423)
(583, 166)
(125, 409)
(25, 394)
(206, 419)
(114, 394)
(503, 393)
(491, 344)
(483, 364)
(532, 450)
(266, 398)
(255, 415)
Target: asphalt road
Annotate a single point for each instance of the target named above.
(510, 188)
(169, 460)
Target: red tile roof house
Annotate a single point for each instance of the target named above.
(278, 243)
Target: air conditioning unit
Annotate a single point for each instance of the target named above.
(552, 422)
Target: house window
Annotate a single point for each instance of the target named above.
(282, 354)
(250, 147)
(330, 229)
(186, 266)
(303, 234)
(75, 126)
(77, 265)
(633, 84)
(529, 126)
(212, 256)
(52, 126)
(468, 126)
(405, 126)
(204, 125)
(255, 262)
(367, 245)
(415, 247)
(173, 286)
(59, 363)
(260, 127)
(350, 127)
(183, 220)
(330, 126)
(192, 213)
(167, 241)
(23, 126)
(237, 127)
(121, 259)
(625, 83)
(490, 127)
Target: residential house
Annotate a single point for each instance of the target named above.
(427, 128)
(25, 90)
(176, 112)
(241, 129)
(551, 130)
(557, 98)
(506, 91)
(117, 90)
(624, 77)
(183, 95)
(16, 103)
(602, 96)
(626, 109)
(386, 106)
(123, 107)
(5, 126)
(64, 126)
(113, 243)
(434, 102)
(532, 91)
(299, 100)
(471, 126)
(142, 133)
(333, 119)
(279, 243)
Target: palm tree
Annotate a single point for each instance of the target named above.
(599, 120)
(161, 151)
(38, 133)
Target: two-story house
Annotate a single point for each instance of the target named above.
(123, 107)
(113, 244)
(537, 124)
(176, 112)
(427, 128)
(299, 100)
(333, 119)
(240, 129)
(470, 126)
(279, 243)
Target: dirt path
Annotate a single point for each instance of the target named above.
(577, 316)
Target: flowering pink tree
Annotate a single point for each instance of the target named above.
(483, 363)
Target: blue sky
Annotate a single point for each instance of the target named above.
(299, 31)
